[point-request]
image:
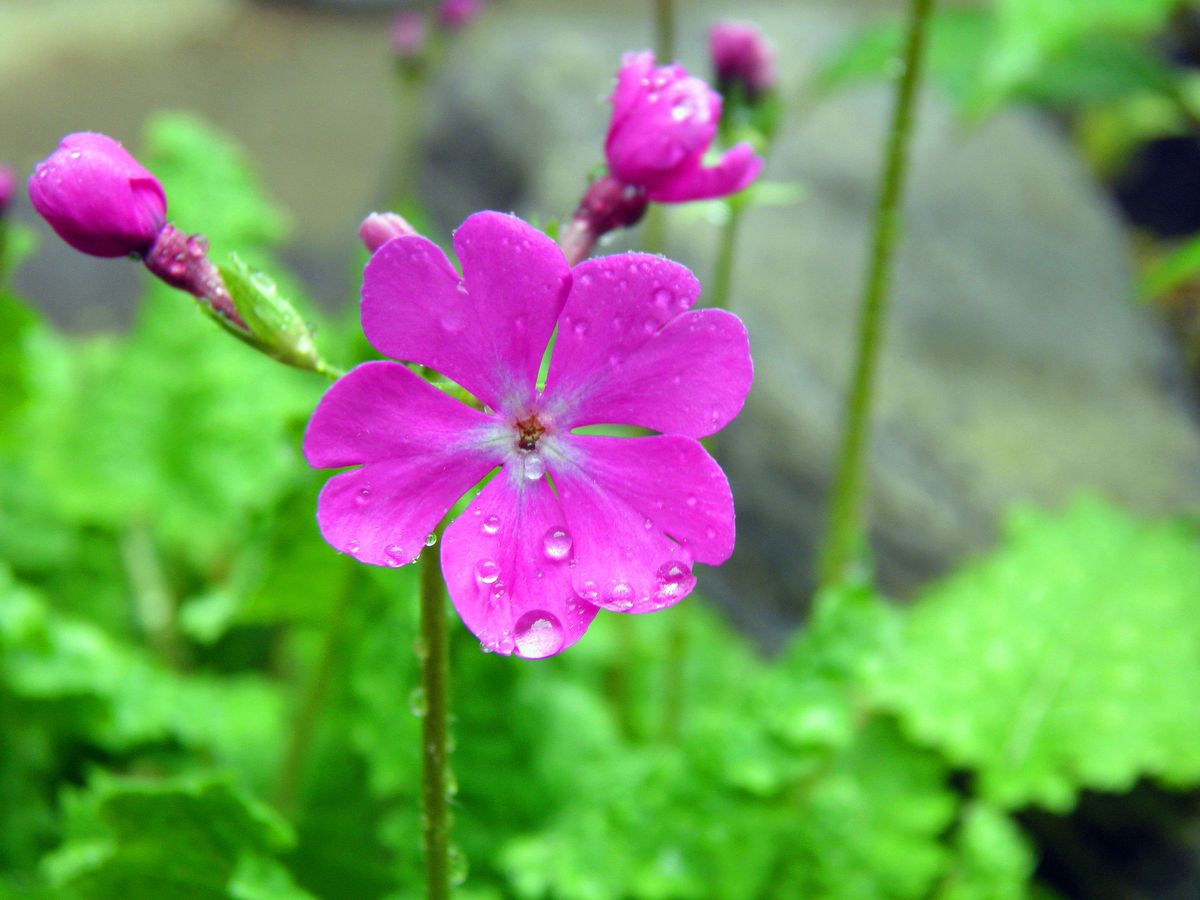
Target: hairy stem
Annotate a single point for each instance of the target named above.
(435, 677)
(845, 534)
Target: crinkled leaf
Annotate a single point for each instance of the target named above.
(181, 838)
(1068, 659)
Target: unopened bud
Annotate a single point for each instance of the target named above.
(8, 185)
(607, 204)
(379, 228)
(454, 15)
(181, 260)
(408, 36)
(742, 56)
(97, 197)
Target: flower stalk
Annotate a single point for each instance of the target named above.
(434, 653)
(846, 526)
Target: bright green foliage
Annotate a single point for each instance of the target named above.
(1068, 660)
(1058, 52)
(994, 860)
(186, 838)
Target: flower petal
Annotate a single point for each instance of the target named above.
(422, 450)
(736, 169)
(517, 280)
(626, 356)
(488, 333)
(381, 410)
(507, 562)
(625, 562)
(669, 480)
(635, 69)
(382, 513)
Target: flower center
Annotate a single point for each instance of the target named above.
(529, 431)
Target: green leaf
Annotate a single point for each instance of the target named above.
(1067, 660)
(994, 859)
(1169, 272)
(180, 838)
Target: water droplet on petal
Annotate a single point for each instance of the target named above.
(650, 326)
(588, 590)
(711, 532)
(620, 595)
(691, 500)
(353, 547)
(364, 497)
(535, 466)
(671, 579)
(581, 327)
(431, 539)
(487, 571)
(538, 634)
(662, 298)
(648, 524)
(557, 543)
(490, 525)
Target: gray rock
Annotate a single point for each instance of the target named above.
(1018, 367)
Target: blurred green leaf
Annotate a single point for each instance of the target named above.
(1172, 270)
(178, 838)
(994, 860)
(1067, 660)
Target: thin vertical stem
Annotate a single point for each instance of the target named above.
(435, 678)
(664, 31)
(153, 602)
(723, 269)
(846, 509)
(674, 681)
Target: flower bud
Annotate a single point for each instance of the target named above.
(742, 56)
(97, 197)
(408, 36)
(663, 122)
(8, 184)
(454, 15)
(608, 204)
(379, 228)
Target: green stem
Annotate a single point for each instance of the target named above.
(846, 516)
(309, 714)
(723, 270)
(664, 31)
(435, 677)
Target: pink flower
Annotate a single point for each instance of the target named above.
(8, 184)
(97, 197)
(740, 54)
(454, 15)
(408, 35)
(379, 228)
(662, 124)
(571, 523)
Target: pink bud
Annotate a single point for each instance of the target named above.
(608, 204)
(453, 15)
(97, 197)
(8, 184)
(408, 35)
(663, 122)
(379, 228)
(741, 54)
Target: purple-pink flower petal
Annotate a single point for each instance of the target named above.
(507, 561)
(734, 171)
(419, 451)
(625, 562)
(670, 480)
(481, 331)
(517, 280)
(629, 353)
